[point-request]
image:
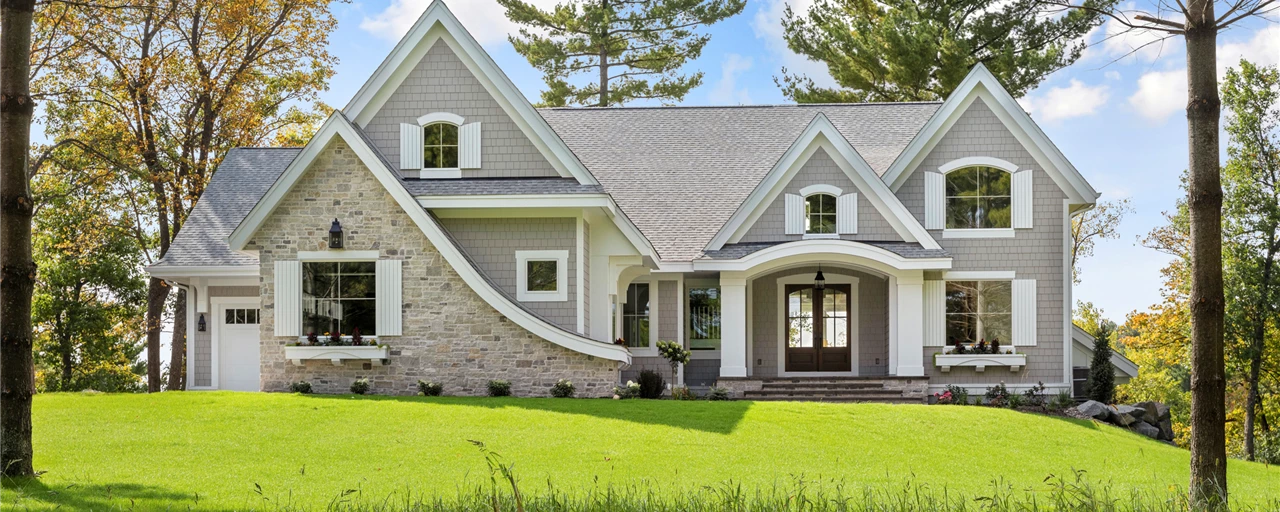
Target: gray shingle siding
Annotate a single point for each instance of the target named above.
(492, 245)
(1036, 253)
(442, 83)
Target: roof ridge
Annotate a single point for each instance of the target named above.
(764, 105)
(299, 148)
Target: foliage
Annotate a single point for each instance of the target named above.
(956, 395)
(1062, 401)
(1102, 375)
(683, 393)
(1034, 395)
(1102, 222)
(675, 354)
(907, 50)
(360, 386)
(620, 44)
(718, 394)
(302, 387)
(499, 388)
(562, 389)
(997, 395)
(629, 390)
(652, 384)
(429, 388)
(1089, 318)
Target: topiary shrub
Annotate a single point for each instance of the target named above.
(1102, 376)
(562, 389)
(718, 394)
(651, 384)
(428, 388)
(360, 386)
(499, 388)
(301, 386)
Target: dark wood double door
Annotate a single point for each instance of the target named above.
(818, 328)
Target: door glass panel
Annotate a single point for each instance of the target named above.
(800, 318)
(835, 313)
(704, 318)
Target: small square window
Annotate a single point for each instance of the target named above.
(541, 275)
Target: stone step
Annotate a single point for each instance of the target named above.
(826, 391)
(821, 385)
(837, 398)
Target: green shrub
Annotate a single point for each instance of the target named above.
(625, 391)
(683, 393)
(360, 386)
(301, 386)
(718, 394)
(1015, 401)
(1034, 395)
(651, 384)
(997, 395)
(959, 394)
(1102, 376)
(499, 388)
(1062, 401)
(428, 388)
(562, 389)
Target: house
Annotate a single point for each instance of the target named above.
(474, 237)
(1082, 357)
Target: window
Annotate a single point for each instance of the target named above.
(339, 297)
(979, 198)
(833, 331)
(979, 311)
(542, 276)
(820, 214)
(440, 146)
(241, 316)
(704, 318)
(635, 316)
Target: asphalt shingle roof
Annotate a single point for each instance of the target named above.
(499, 186)
(904, 249)
(679, 173)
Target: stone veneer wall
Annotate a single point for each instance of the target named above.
(451, 335)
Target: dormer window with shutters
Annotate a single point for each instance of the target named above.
(978, 197)
(439, 145)
(821, 211)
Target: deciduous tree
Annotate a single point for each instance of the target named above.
(1102, 222)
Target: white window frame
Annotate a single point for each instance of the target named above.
(561, 293)
(965, 163)
(821, 188)
(442, 117)
(689, 284)
(654, 316)
(335, 256)
(979, 276)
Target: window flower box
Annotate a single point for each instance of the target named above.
(300, 354)
(980, 361)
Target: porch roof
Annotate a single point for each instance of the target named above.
(911, 250)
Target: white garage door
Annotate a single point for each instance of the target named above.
(238, 355)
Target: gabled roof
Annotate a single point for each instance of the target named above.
(437, 22)
(339, 126)
(1084, 342)
(822, 134)
(980, 83)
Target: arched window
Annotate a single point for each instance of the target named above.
(979, 197)
(440, 146)
(820, 214)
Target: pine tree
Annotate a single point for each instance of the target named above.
(623, 44)
(1102, 376)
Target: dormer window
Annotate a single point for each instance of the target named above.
(821, 211)
(979, 197)
(440, 146)
(820, 214)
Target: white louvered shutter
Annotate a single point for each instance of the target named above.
(847, 214)
(288, 297)
(795, 215)
(469, 146)
(1022, 194)
(1024, 312)
(411, 146)
(388, 297)
(935, 313)
(935, 200)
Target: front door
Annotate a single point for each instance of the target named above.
(818, 328)
(238, 347)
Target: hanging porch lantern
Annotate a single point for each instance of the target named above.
(819, 282)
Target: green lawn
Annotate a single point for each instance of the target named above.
(208, 450)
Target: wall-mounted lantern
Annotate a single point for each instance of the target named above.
(200, 324)
(335, 235)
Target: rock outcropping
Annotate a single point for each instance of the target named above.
(1150, 419)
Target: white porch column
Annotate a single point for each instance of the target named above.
(733, 325)
(909, 325)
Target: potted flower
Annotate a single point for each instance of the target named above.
(312, 339)
(356, 339)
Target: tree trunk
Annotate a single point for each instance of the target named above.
(157, 294)
(178, 344)
(604, 60)
(17, 270)
(1257, 345)
(1208, 489)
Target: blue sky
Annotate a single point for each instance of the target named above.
(1120, 122)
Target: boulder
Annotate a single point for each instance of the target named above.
(1126, 415)
(1150, 412)
(1166, 430)
(1096, 410)
(1146, 429)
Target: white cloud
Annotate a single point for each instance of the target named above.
(1074, 100)
(1161, 93)
(767, 26)
(1146, 45)
(726, 91)
(1112, 75)
(486, 20)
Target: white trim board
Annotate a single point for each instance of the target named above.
(436, 23)
(821, 134)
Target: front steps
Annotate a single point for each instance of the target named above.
(884, 390)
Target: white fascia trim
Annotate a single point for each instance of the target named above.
(981, 83)
(820, 189)
(561, 293)
(816, 251)
(338, 255)
(978, 275)
(517, 201)
(441, 117)
(337, 126)
(171, 272)
(974, 161)
(821, 134)
(438, 22)
(978, 233)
